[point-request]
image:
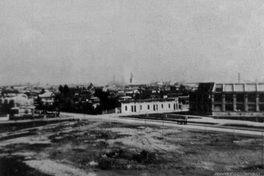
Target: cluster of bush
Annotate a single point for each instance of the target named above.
(121, 159)
(78, 100)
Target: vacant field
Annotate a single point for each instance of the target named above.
(104, 148)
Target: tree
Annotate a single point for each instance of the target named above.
(39, 104)
(42, 91)
(101, 94)
(90, 86)
(66, 89)
(61, 89)
(183, 90)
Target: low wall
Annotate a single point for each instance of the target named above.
(238, 114)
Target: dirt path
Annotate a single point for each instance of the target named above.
(57, 169)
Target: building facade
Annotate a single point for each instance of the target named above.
(232, 99)
(149, 106)
(47, 98)
(18, 106)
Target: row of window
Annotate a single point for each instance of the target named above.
(155, 107)
(240, 97)
(239, 107)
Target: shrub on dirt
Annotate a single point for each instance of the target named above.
(121, 153)
(191, 152)
(55, 154)
(104, 135)
(125, 154)
(84, 161)
(145, 157)
(112, 154)
(102, 145)
(118, 143)
(139, 167)
(106, 163)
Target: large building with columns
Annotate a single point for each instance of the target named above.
(230, 99)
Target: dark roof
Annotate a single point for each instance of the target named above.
(7, 91)
(148, 100)
(205, 87)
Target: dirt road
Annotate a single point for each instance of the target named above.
(116, 118)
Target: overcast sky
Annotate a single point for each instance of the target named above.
(82, 41)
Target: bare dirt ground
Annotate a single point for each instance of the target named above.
(83, 147)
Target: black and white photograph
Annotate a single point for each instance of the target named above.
(131, 87)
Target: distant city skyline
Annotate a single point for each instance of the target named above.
(80, 41)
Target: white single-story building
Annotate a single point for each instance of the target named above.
(149, 106)
(47, 98)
